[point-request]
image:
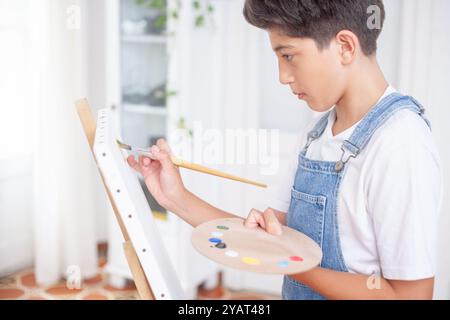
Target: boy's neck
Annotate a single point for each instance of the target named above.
(365, 89)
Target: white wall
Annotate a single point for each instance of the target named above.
(389, 42)
(279, 108)
(429, 66)
(415, 53)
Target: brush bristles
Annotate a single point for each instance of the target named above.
(122, 145)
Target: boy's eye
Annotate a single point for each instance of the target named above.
(287, 57)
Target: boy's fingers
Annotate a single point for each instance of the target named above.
(145, 161)
(272, 223)
(132, 163)
(163, 145)
(163, 157)
(255, 219)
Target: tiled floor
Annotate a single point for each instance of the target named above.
(22, 285)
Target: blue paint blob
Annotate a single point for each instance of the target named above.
(215, 240)
(283, 264)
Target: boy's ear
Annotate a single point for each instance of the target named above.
(348, 43)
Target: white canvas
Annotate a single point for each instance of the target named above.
(135, 211)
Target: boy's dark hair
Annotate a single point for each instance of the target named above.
(319, 20)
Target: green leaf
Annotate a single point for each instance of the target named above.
(160, 22)
(159, 4)
(174, 14)
(196, 4)
(171, 93)
(199, 21)
(182, 123)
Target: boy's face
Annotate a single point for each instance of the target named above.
(316, 76)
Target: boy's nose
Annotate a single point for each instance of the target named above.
(285, 77)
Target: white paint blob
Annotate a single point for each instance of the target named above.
(217, 234)
(231, 254)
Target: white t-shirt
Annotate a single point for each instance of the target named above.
(389, 199)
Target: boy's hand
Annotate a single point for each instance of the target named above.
(161, 176)
(267, 220)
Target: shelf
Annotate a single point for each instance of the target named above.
(145, 38)
(145, 109)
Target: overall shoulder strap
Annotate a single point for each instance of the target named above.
(318, 130)
(379, 114)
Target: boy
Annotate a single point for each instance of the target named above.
(365, 183)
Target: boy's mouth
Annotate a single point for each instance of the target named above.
(301, 95)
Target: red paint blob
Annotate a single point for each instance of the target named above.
(296, 258)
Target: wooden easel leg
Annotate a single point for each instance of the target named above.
(142, 284)
(138, 275)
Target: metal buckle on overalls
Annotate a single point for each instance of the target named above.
(313, 135)
(421, 107)
(341, 163)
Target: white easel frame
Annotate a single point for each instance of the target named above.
(150, 265)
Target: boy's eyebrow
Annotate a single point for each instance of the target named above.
(281, 47)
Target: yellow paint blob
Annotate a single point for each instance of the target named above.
(249, 260)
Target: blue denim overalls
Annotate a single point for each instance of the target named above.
(314, 198)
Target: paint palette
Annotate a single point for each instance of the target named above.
(230, 243)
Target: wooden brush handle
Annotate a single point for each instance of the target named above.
(196, 167)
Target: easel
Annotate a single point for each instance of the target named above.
(142, 284)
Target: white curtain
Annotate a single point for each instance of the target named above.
(424, 72)
(64, 183)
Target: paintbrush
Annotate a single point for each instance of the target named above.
(189, 165)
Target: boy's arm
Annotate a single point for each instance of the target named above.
(348, 286)
(196, 211)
